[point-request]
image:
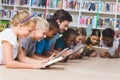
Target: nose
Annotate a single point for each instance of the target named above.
(44, 36)
(66, 28)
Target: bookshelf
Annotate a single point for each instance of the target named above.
(97, 13)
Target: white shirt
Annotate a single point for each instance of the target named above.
(8, 35)
(115, 44)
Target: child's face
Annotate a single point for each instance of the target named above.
(24, 31)
(107, 40)
(63, 26)
(80, 38)
(40, 33)
(52, 33)
(71, 40)
(95, 40)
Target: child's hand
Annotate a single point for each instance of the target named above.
(67, 52)
(93, 54)
(75, 56)
(52, 56)
(39, 66)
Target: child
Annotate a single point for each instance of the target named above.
(66, 41)
(28, 44)
(81, 36)
(109, 41)
(93, 40)
(95, 37)
(43, 46)
(21, 25)
(63, 18)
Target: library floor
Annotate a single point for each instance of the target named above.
(86, 69)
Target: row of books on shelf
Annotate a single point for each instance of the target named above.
(17, 2)
(71, 4)
(7, 14)
(100, 23)
(101, 6)
(47, 3)
(82, 20)
(36, 3)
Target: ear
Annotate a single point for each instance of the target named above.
(58, 21)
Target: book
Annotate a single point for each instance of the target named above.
(71, 4)
(7, 14)
(75, 50)
(99, 50)
(53, 61)
(23, 2)
(62, 52)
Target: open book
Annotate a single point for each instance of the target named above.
(99, 50)
(54, 61)
(60, 54)
(77, 49)
(59, 57)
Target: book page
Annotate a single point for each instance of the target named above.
(54, 61)
(99, 50)
(77, 49)
(60, 54)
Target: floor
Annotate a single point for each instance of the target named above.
(86, 69)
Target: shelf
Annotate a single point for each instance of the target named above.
(109, 13)
(7, 5)
(34, 7)
(52, 8)
(23, 6)
(70, 10)
(84, 26)
(4, 19)
(85, 11)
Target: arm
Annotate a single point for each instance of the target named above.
(10, 63)
(23, 58)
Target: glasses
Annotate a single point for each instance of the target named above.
(27, 18)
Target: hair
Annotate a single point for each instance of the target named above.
(20, 16)
(68, 33)
(96, 32)
(53, 24)
(108, 32)
(41, 22)
(62, 15)
(81, 31)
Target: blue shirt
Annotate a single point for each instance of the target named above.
(60, 43)
(53, 40)
(43, 45)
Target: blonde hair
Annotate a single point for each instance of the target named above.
(21, 16)
(41, 23)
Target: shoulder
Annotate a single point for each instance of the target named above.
(8, 35)
(42, 42)
(27, 41)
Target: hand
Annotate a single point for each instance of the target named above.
(67, 52)
(39, 66)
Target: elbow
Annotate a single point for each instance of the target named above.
(9, 65)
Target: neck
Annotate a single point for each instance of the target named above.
(32, 36)
(15, 31)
